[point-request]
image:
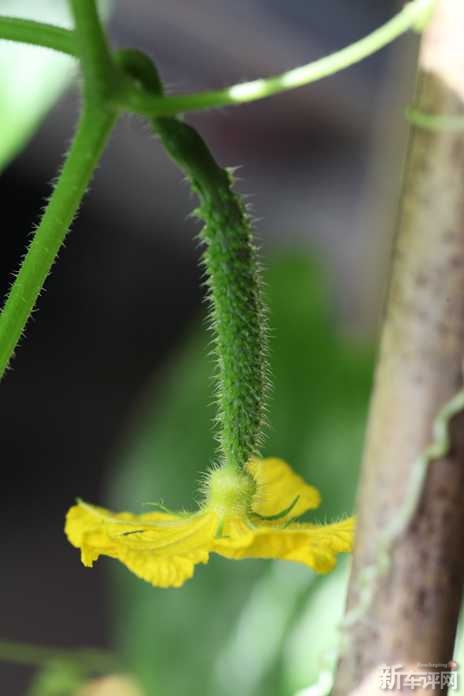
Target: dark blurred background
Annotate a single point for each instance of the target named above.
(322, 165)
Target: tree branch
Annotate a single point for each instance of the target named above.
(413, 611)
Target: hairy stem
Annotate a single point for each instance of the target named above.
(91, 136)
(237, 318)
(93, 52)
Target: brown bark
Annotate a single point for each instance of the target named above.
(414, 611)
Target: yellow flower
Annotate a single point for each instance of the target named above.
(249, 514)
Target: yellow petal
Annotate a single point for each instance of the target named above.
(278, 486)
(234, 530)
(160, 548)
(314, 545)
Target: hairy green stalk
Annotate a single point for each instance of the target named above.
(93, 51)
(237, 316)
(85, 152)
(95, 124)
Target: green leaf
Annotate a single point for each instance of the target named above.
(31, 78)
(225, 631)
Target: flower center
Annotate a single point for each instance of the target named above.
(229, 493)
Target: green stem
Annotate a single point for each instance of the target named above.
(408, 18)
(38, 34)
(237, 318)
(34, 655)
(435, 122)
(141, 101)
(92, 133)
(93, 51)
